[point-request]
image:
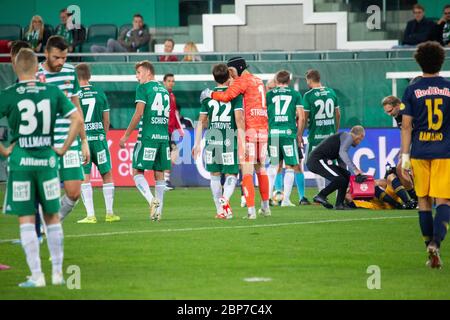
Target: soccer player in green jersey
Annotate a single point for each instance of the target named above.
(152, 150)
(221, 150)
(285, 112)
(96, 123)
(31, 108)
(321, 107)
(56, 71)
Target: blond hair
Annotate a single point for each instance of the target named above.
(41, 30)
(190, 47)
(26, 62)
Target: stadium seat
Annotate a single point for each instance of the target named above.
(306, 56)
(372, 55)
(273, 55)
(212, 57)
(403, 54)
(10, 32)
(151, 58)
(246, 56)
(100, 33)
(340, 55)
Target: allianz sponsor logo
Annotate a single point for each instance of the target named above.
(34, 162)
(35, 142)
(160, 137)
(281, 131)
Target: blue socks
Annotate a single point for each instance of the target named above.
(426, 226)
(279, 182)
(441, 221)
(300, 182)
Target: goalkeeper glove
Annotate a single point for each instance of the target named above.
(360, 178)
(206, 94)
(406, 161)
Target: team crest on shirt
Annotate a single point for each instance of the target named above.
(317, 94)
(20, 90)
(227, 142)
(81, 95)
(52, 162)
(402, 106)
(41, 78)
(155, 89)
(289, 132)
(101, 137)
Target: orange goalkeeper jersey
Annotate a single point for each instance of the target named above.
(252, 88)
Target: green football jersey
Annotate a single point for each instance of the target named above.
(31, 108)
(321, 104)
(93, 103)
(67, 81)
(222, 123)
(154, 125)
(282, 104)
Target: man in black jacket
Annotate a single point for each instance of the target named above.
(320, 161)
(419, 29)
(442, 34)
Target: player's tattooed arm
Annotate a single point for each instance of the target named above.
(133, 123)
(84, 143)
(76, 122)
(202, 123)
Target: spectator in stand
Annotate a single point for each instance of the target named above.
(37, 35)
(174, 124)
(130, 40)
(419, 29)
(191, 48)
(443, 28)
(169, 44)
(65, 28)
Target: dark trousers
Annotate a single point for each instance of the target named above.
(338, 177)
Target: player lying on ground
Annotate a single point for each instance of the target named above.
(320, 161)
(285, 113)
(152, 150)
(221, 149)
(96, 123)
(425, 145)
(31, 108)
(386, 197)
(253, 157)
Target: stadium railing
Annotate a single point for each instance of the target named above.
(328, 55)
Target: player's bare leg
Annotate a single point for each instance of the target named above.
(72, 189)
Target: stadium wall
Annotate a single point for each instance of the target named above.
(379, 147)
(156, 13)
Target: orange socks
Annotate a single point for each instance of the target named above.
(249, 189)
(263, 180)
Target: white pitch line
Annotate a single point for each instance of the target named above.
(105, 234)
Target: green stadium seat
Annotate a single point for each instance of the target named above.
(10, 32)
(403, 54)
(340, 55)
(246, 56)
(100, 33)
(372, 55)
(273, 55)
(212, 57)
(151, 58)
(306, 56)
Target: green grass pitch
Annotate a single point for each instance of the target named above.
(306, 252)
